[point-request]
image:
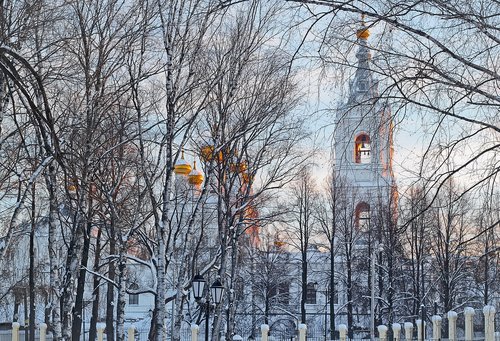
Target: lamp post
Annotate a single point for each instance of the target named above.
(215, 293)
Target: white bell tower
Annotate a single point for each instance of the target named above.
(363, 139)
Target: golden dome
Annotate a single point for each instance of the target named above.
(363, 32)
(206, 152)
(195, 177)
(181, 166)
(239, 167)
(279, 243)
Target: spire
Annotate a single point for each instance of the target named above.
(363, 54)
(363, 32)
(363, 86)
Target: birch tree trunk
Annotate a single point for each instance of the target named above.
(54, 260)
(122, 293)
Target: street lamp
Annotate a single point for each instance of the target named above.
(216, 292)
(198, 286)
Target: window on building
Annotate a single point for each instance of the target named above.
(311, 293)
(284, 293)
(362, 149)
(280, 293)
(133, 299)
(362, 216)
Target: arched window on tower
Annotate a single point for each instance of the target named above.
(362, 149)
(362, 216)
(133, 299)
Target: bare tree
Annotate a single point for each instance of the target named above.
(486, 274)
(272, 267)
(328, 212)
(304, 199)
(352, 238)
(418, 237)
(390, 264)
(450, 230)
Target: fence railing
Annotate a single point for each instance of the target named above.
(403, 331)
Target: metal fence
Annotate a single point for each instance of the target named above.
(6, 335)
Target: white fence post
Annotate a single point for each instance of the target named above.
(264, 328)
(452, 325)
(100, 331)
(15, 331)
(195, 329)
(436, 327)
(43, 331)
(342, 332)
(420, 329)
(408, 331)
(382, 332)
(396, 331)
(302, 331)
(489, 323)
(469, 323)
(131, 333)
